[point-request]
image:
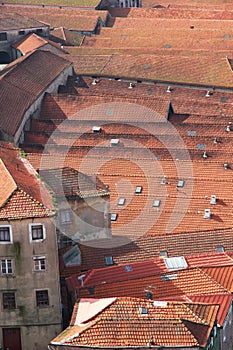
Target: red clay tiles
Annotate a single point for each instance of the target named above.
(123, 324)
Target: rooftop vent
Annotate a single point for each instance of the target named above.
(81, 278)
(114, 142)
(149, 295)
(96, 129)
(163, 181)
(213, 199)
(156, 203)
(205, 155)
(228, 128)
(226, 166)
(207, 214)
(138, 189)
(131, 85)
(207, 94)
(169, 89)
(215, 140)
(94, 82)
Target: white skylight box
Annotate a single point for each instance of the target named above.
(121, 201)
(114, 142)
(113, 217)
(138, 189)
(96, 129)
(176, 263)
(180, 183)
(156, 203)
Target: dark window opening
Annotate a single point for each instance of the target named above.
(8, 299)
(42, 298)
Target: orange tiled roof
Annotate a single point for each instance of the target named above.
(122, 324)
(70, 18)
(22, 82)
(146, 268)
(25, 196)
(33, 42)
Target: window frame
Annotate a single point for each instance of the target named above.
(39, 259)
(5, 304)
(36, 298)
(65, 212)
(31, 232)
(5, 36)
(6, 267)
(10, 234)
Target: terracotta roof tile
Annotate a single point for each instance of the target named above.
(121, 324)
(26, 196)
(14, 21)
(24, 80)
(33, 42)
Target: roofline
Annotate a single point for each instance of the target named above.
(157, 82)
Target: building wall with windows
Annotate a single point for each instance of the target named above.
(29, 283)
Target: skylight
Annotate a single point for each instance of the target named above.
(121, 201)
(128, 268)
(180, 183)
(156, 203)
(108, 260)
(113, 217)
(191, 133)
(138, 189)
(176, 263)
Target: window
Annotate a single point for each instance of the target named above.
(113, 217)
(108, 260)
(65, 216)
(3, 36)
(5, 234)
(37, 232)
(121, 201)
(8, 300)
(42, 298)
(6, 266)
(39, 31)
(138, 189)
(39, 263)
(21, 32)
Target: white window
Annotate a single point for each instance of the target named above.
(65, 215)
(6, 266)
(37, 232)
(5, 234)
(138, 189)
(39, 263)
